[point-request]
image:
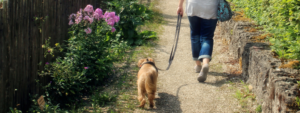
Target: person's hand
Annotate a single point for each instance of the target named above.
(180, 11)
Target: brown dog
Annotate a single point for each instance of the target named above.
(147, 78)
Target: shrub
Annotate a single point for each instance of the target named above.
(132, 15)
(89, 55)
(279, 17)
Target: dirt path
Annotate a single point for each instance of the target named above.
(178, 88)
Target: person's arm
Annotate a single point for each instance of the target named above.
(180, 7)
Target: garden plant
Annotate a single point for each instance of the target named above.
(88, 56)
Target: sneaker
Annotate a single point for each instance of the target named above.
(203, 74)
(198, 68)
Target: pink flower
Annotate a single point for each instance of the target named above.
(111, 14)
(96, 16)
(47, 63)
(113, 29)
(91, 20)
(78, 20)
(79, 13)
(89, 8)
(88, 30)
(99, 12)
(106, 14)
(73, 15)
(86, 67)
(110, 21)
(71, 22)
(117, 18)
(86, 18)
(111, 18)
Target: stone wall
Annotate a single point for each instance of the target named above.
(275, 89)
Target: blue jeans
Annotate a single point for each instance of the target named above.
(202, 33)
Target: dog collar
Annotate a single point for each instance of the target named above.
(151, 63)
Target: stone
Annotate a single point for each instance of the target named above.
(250, 87)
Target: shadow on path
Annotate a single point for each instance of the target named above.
(228, 77)
(167, 103)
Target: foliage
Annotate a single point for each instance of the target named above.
(132, 15)
(92, 48)
(279, 17)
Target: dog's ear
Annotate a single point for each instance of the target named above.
(141, 61)
(151, 60)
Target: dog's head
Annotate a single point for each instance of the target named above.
(141, 61)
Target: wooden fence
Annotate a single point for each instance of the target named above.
(21, 41)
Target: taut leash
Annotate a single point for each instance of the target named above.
(175, 41)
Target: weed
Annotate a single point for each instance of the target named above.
(258, 109)
(298, 101)
(244, 95)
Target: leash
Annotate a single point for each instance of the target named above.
(175, 41)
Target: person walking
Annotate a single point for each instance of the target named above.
(202, 15)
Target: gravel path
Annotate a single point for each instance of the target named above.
(178, 88)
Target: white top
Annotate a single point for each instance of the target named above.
(206, 9)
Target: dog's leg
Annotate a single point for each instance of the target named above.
(141, 95)
(151, 97)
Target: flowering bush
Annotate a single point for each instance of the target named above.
(92, 48)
